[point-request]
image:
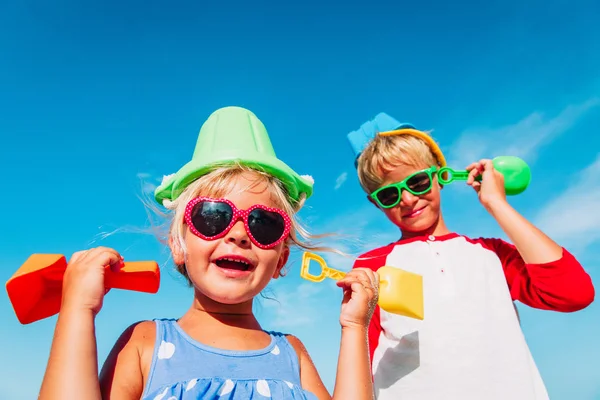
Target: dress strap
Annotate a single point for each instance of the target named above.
(160, 336)
(284, 346)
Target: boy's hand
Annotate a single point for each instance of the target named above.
(491, 188)
(361, 292)
(83, 283)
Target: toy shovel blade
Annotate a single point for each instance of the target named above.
(401, 292)
(35, 290)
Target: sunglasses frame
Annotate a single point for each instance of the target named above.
(403, 186)
(237, 215)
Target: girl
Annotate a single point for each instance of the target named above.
(231, 234)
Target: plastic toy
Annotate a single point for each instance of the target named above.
(516, 172)
(400, 292)
(35, 290)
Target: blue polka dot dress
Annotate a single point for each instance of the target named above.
(184, 369)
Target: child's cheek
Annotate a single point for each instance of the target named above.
(394, 214)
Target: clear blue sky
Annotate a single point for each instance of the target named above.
(96, 95)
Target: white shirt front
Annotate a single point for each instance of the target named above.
(469, 345)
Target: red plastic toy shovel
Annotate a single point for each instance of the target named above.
(35, 290)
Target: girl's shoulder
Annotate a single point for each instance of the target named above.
(142, 332)
(298, 346)
(139, 334)
(142, 336)
(132, 352)
(309, 376)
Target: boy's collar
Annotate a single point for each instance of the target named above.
(429, 238)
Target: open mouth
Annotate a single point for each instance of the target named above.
(234, 262)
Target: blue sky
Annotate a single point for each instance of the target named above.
(98, 100)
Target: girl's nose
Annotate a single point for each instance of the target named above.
(238, 235)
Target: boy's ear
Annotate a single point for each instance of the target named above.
(372, 201)
(176, 251)
(283, 259)
(437, 181)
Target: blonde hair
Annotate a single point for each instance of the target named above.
(217, 183)
(386, 153)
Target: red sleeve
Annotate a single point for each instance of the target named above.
(561, 285)
(374, 260)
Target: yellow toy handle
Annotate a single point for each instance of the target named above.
(400, 292)
(326, 272)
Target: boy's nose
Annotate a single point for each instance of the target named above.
(408, 199)
(237, 234)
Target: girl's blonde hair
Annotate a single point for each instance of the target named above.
(386, 153)
(218, 183)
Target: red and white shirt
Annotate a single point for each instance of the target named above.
(470, 344)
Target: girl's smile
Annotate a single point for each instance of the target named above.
(234, 266)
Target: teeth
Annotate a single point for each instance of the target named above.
(234, 260)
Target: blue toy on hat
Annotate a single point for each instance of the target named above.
(382, 122)
(384, 125)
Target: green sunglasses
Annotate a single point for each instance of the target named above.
(418, 183)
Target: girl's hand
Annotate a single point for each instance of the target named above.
(361, 292)
(83, 283)
(491, 188)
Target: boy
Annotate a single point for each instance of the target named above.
(470, 344)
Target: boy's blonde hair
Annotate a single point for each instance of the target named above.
(386, 153)
(216, 184)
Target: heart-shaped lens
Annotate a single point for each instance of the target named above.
(266, 226)
(211, 218)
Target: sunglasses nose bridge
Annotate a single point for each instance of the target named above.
(238, 216)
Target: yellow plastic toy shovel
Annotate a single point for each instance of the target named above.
(400, 292)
